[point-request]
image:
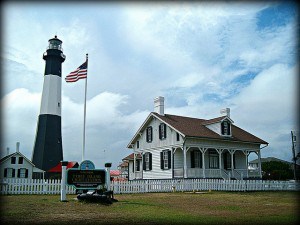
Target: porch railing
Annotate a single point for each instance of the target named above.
(238, 174)
(178, 173)
(195, 173)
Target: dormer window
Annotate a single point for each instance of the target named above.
(225, 128)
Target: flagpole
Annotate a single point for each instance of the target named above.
(84, 114)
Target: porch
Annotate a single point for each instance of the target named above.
(221, 163)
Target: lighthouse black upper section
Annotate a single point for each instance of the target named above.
(54, 57)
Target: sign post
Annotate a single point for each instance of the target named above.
(90, 180)
(107, 168)
(63, 193)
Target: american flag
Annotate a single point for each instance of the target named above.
(79, 73)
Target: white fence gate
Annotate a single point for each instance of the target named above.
(35, 186)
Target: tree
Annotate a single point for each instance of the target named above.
(275, 170)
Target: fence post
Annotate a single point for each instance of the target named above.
(63, 193)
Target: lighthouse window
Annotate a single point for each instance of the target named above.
(58, 104)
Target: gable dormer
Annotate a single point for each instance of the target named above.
(221, 125)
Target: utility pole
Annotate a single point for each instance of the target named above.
(294, 137)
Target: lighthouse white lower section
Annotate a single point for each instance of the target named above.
(51, 97)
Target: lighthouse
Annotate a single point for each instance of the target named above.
(47, 151)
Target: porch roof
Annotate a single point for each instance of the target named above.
(131, 157)
(194, 127)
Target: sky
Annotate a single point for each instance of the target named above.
(202, 57)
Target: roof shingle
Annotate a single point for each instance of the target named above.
(194, 127)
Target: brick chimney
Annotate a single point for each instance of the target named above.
(159, 105)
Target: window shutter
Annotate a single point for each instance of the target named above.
(151, 134)
(18, 173)
(147, 134)
(169, 159)
(13, 173)
(26, 173)
(192, 159)
(5, 172)
(233, 161)
(222, 128)
(150, 161)
(228, 129)
(144, 162)
(200, 160)
(159, 129)
(165, 130)
(162, 160)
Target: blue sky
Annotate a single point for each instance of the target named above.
(201, 57)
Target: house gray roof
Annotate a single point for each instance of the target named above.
(269, 159)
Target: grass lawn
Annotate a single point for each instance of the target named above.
(156, 208)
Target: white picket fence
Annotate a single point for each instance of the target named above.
(34, 186)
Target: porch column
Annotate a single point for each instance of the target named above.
(220, 160)
(203, 150)
(259, 163)
(246, 154)
(133, 169)
(184, 162)
(232, 164)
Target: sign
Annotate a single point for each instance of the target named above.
(87, 165)
(85, 179)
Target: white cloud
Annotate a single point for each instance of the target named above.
(20, 114)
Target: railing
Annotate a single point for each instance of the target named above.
(253, 173)
(195, 173)
(29, 186)
(138, 175)
(225, 175)
(213, 173)
(178, 173)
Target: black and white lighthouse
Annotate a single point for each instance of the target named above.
(47, 151)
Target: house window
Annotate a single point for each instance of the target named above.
(149, 134)
(162, 131)
(147, 161)
(165, 160)
(21, 160)
(225, 128)
(177, 137)
(13, 160)
(213, 159)
(137, 144)
(196, 159)
(22, 173)
(9, 172)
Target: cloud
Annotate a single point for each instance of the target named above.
(20, 114)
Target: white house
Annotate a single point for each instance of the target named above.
(16, 165)
(172, 146)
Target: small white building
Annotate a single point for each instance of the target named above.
(171, 146)
(16, 165)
